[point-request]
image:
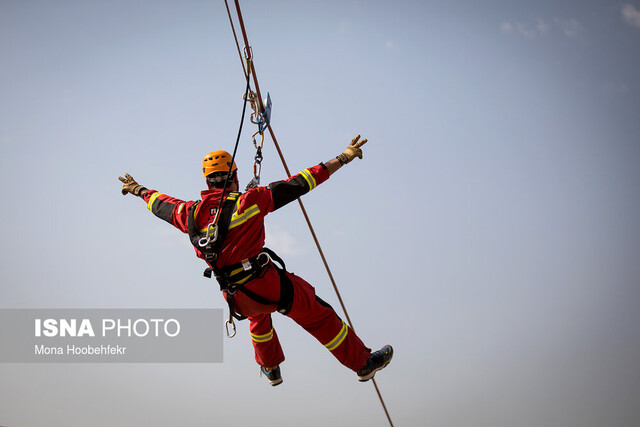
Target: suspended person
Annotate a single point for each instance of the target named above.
(252, 283)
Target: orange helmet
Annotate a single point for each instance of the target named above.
(217, 161)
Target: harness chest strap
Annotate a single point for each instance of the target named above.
(233, 278)
(211, 249)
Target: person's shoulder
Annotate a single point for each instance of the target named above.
(255, 192)
(255, 195)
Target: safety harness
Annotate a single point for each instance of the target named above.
(233, 278)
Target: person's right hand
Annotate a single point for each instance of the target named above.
(130, 185)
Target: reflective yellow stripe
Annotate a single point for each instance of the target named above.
(236, 219)
(236, 271)
(246, 279)
(309, 178)
(152, 199)
(231, 196)
(180, 208)
(263, 338)
(334, 343)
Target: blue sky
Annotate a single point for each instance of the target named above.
(490, 233)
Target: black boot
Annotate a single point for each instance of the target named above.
(273, 375)
(377, 361)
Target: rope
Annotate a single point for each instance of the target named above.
(252, 71)
(233, 156)
(235, 37)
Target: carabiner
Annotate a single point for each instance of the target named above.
(255, 144)
(257, 168)
(248, 53)
(255, 181)
(267, 261)
(233, 327)
(207, 238)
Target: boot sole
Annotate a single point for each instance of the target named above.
(275, 382)
(372, 373)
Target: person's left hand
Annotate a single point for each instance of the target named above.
(352, 151)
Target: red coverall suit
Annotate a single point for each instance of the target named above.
(245, 239)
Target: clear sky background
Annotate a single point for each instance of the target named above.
(491, 233)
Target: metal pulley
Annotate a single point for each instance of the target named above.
(264, 118)
(260, 116)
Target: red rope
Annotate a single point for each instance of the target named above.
(286, 168)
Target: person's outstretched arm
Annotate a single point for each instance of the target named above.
(170, 209)
(286, 191)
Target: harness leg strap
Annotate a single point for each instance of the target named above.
(232, 311)
(286, 289)
(286, 293)
(283, 305)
